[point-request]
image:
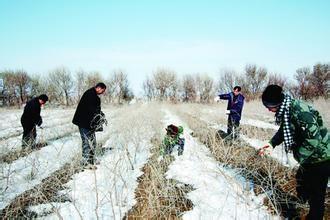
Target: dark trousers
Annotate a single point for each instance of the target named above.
(232, 128)
(180, 144)
(88, 145)
(29, 136)
(312, 183)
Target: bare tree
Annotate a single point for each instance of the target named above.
(81, 83)
(63, 83)
(38, 85)
(205, 86)
(93, 78)
(10, 87)
(165, 82)
(22, 81)
(255, 79)
(173, 92)
(149, 89)
(278, 79)
(228, 80)
(319, 79)
(189, 88)
(17, 85)
(121, 86)
(304, 88)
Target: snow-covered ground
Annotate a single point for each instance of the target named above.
(109, 191)
(27, 172)
(277, 153)
(219, 193)
(211, 116)
(258, 123)
(47, 133)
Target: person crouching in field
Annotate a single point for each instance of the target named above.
(302, 132)
(234, 110)
(30, 119)
(173, 138)
(87, 117)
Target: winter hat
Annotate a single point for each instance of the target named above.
(43, 97)
(273, 96)
(172, 129)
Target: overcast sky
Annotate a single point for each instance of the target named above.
(141, 36)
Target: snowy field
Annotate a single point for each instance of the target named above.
(109, 192)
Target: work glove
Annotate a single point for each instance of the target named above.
(263, 150)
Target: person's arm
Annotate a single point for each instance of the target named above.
(277, 139)
(225, 96)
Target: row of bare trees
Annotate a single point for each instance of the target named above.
(62, 86)
(308, 83)
(165, 85)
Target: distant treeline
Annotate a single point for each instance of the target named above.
(64, 87)
(307, 84)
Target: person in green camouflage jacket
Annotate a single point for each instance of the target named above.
(172, 138)
(302, 132)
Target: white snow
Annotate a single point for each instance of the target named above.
(218, 192)
(259, 124)
(277, 153)
(109, 191)
(27, 172)
(43, 135)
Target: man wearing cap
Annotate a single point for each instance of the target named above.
(234, 110)
(30, 118)
(302, 132)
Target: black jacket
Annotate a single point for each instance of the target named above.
(88, 108)
(31, 115)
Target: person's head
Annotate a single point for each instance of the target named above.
(172, 130)
(43, 98)
(237, 90)
(100, 88)
(272, 97)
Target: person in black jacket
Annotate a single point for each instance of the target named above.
(30, 118)
(86, 118)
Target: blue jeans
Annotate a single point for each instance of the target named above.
(88, 145)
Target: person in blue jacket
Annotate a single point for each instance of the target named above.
(234, 110)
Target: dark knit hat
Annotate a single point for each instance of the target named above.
(273, 96)
(43, 97)
(172, 129)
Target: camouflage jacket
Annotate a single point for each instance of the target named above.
(170, 142)
(312, 140)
